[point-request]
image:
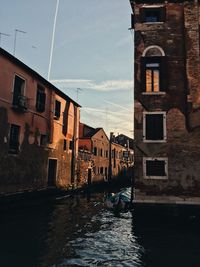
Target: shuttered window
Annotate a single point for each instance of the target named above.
(154, 125)
(57, 109)
(19, 88)
(40, 99)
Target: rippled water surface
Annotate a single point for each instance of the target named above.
(78, 232)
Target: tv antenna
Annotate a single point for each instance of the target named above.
(5, 34)
(15, 40)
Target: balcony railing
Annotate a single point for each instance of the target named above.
(20, 103)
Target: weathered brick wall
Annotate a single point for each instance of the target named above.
(179, 39)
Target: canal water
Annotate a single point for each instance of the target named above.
(81, 232)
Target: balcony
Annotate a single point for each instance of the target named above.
(20, 103)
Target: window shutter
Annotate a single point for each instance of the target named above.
(158, 127)
(154, 127)
(163, 13)
(142, 15)
(43, 100)
(132, 21)
(164, 74)
(143, 74)
(57, 108)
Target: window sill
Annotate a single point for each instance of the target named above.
(154, 141)
(156, 177)
(153, 23)
(153, 93)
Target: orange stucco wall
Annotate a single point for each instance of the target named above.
(29, 168)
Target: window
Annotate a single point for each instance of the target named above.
(57, 109)
(154, 78)
(14, 139)
(71, 145)
(40, 99)
(152, 14)
(19, 99)
(95, 151)
(43, 139)
(155, 168)
(154, 126)
(101, 152)
(101, 170)
(65, 145)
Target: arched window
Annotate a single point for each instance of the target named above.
(153, 70)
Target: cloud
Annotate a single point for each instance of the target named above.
(117, 122)
(105, 86)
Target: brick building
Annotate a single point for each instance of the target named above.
(96, 142)
(167, 97)
(39, 130)
(101, 159)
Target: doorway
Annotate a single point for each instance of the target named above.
(52, 171)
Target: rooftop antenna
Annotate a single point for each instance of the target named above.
(78, 90)
(5, 34)
(15, 40)
(52, 40)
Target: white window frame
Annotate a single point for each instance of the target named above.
(164, 127)
(145, 159)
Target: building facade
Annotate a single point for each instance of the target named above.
(96, 142)
(39, 130)
(167, 97)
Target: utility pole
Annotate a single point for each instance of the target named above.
(5, 34)
(15, 40)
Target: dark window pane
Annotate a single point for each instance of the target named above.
(65, 144)
(57, 108)
(154, 127)
(71, 145)
(155, 168)
(95, 151)
(41, 99)
(14, 139)
(152, 15)
(157, 14)
(19, 85)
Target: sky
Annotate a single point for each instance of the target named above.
(92, 60)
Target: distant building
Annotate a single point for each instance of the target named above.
(39, 130)
(121, 157)
(167, 98)
(96, 142)
(104, 159)
(124, 140)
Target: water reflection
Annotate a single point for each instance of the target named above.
(79, 232)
